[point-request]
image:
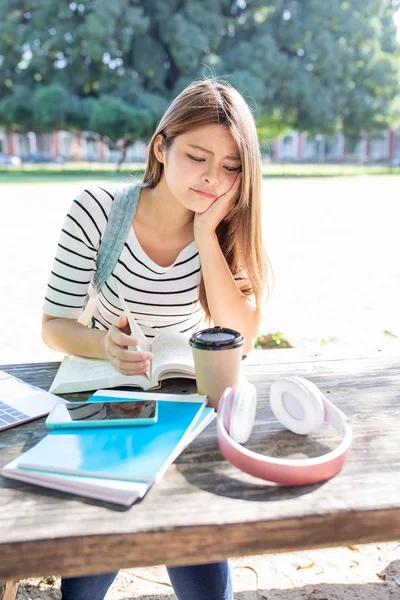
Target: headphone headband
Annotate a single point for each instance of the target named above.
(280, 470)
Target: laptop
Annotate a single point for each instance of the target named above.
(21, 402)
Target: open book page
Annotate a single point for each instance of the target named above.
(172, 356)
(78, 374)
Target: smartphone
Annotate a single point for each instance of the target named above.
(103, 414)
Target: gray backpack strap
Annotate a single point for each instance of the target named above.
(114, 237)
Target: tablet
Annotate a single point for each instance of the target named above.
(103, 414)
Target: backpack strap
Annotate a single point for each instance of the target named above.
(114, 237)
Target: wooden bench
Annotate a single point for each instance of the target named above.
(204, 509)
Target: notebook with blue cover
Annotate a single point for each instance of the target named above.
(123, 453)
(110, 490)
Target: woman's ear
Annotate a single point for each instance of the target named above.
(158, 148)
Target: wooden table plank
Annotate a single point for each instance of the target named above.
(204, 509)
(8, 590)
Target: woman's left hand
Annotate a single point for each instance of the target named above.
(208, 221)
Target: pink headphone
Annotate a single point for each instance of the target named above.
(301, 407)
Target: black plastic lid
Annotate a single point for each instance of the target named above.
(216, 338)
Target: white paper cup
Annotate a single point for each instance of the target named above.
(217, 354)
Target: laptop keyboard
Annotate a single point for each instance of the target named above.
(9, 415)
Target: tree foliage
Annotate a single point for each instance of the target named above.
(112, 67)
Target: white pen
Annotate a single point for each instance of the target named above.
(135, 329)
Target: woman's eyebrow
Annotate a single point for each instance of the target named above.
(209, 152)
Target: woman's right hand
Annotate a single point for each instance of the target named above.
(116, 342)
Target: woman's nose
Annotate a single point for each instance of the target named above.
(211, 176)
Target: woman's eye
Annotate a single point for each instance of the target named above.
(228, 169)
(196, 159)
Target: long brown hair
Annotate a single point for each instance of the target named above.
(208, 102)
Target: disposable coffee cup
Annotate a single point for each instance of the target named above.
(217, 354)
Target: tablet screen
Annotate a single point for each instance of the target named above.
(111, 411)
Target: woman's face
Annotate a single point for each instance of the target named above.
(201, 165)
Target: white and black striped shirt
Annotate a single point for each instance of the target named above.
(160, 298)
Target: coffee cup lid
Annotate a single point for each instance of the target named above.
(216, 338)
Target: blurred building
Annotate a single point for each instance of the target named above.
(297, 146)
(67, 146)
(293, 147)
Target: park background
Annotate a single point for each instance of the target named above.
(82, 86)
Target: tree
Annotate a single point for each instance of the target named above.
(324, 66)
(16, 109)
(304, 64)
(115, 120)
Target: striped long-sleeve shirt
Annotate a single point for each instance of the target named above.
(160, 298)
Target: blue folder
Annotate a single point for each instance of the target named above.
(127, 453)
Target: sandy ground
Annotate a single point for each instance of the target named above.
(367, 572)
(335, 249)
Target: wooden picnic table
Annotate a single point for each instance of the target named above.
(204, 509)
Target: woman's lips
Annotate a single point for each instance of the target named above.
(204, 194)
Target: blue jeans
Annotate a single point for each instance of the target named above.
(197, 582)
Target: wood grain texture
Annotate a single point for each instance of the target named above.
(8, 590)
(204, 509)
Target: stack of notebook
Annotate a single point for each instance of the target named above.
(115, 464)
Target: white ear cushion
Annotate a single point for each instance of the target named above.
(243, 412)
(297, 404)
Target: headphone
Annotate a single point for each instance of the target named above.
(301, 407)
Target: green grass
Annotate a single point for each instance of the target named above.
(49, 177)
(326, 170)
(89, 171)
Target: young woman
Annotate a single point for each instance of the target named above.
(193, 254)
